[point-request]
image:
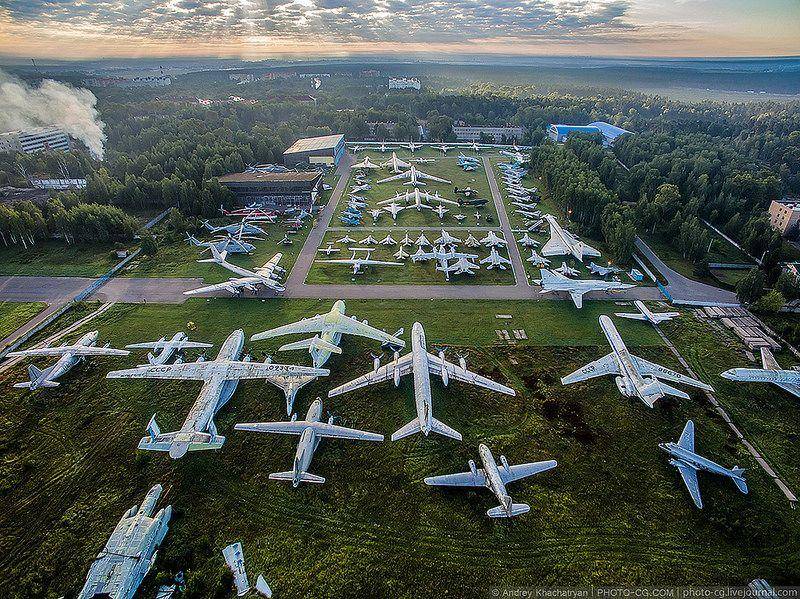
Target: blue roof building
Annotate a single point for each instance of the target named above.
(560, 133)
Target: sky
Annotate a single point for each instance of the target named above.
(257, 29)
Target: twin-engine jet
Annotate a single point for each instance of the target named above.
(415, 177)
(164, 348)
(635, 377)
(564, 243)
(220, 378)
(788, 380)
(495, 478)
(552, 281)
(266, 276)
(422, 364)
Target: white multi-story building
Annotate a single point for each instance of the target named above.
(404, 83)
(498, 134)
(34, 140)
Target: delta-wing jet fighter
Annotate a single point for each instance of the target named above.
(375, 214)
(220, 378)
(563, 243)
(130, 552)
(492, 240)
(422, 364)
(684, 458)
(266, 276)
(552, 281)
(788, 380)
(459, 217)
(311, 431)
(365, 164)
(645, 314)
(415, 177)
(359, 262)
(495, 260)
(495, 478)
(635, 377)
(164, 349)
(68, 356)
(395, 164)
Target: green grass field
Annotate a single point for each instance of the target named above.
(614, 512)
(56, 258)
(15, 314)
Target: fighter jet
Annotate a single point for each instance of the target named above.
(566, 270)
(443, 148)
(412, 146)
(527, 241)
(369, 240)
(163, 350)
(234, 558)
(365, 164)
(130, 552)
(394, 209)
(415, 178)
(440, 210)
(395, 164)
(401, 254)
(564, 243)
(459, 217)
(538, 260)
(388, 240)
(472, 242)
(771, 372)
(447, 239)
(346, 240)
(220, 378)
(375, 213)
(495, 260)
(422, 364)
(462, 266)
(422, 241)
(358, 262)
(597, 269)
(635, 377)
(329, 250)
(406, 240)
(495, 478)
(311, 431)
(68, 356)
(553, 281)
(684, 458)
(645, 314)
(492, 240)
(360, 187)
(250, 280)
(442, 256)
(415, 198)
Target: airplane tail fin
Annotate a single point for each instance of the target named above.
(738, 479)
(305, 477)
(179, 443)
(407, 430)
(516, 509)
(313, 343)
(655, 390)
(441, 428)
(34, 374)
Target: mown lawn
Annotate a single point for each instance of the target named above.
(15, 314)
(56, 258)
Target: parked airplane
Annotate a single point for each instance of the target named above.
(267, 276)
(495, 478)
(422, 364)
(527, 241)
(350, 221)
(369, 240)
(771, 372)
(492, 240)
(388, 240)
(495, 260)
(597, 269)
(68, 356)
(422, 241)
(635, 377)
(395, 164)
(250, 212)
(472, 242)
(566, 270)
(564, 243)
(415, 177)
(242, 228)
(442, 256)
(360, 187)
(329, 250)
(227, 243)
(462, 266)
(442, 147)
(447, 239)
(412, 146)
(329, 329)
(163, 350)
(538, 260)
(234, 558)
(358, 263)
(459, 217)
(477, 202)
(401, 254)
(220, 378)
(646, 315)
(553, 281)
(311, 431)
(346, 240)
(394, 209)
(366, 163)
(684, 458)
(440, 210)
(416, 199)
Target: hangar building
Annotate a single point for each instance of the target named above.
(326, 150)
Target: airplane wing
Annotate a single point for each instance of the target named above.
(462, 479)
(352, 326)
(577, 297)
(164, 344)
(436, 365)
(520, 471)
(554, 247)
(631, 315)
(431, 178)
(604, 366)
(660, 372)
(380, 263)
(75, 350)
(383, 373)
(689, 476)
(203, 371)
(314, 324)
(395, 177)
(234, 285)
(687, 436)
(768, 361)
(323, 429)
(270, 265)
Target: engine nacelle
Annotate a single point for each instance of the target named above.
(462, 362)
(472, 467)
(247, 358)
(445, 376)
(330, 420)
(294, 416)
(504, 461)
(267, 359)
(396, 377)
(622, 385)
(376, 363)
(201, 359)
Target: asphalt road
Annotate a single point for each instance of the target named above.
(42, 289)
(155, 290)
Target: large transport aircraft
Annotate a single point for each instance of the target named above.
(266, 276)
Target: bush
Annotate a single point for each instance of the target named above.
(770, 302)
(149, 245)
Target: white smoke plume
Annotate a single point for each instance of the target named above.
(52, 104)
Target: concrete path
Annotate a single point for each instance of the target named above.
(42, 289)
(161, 290)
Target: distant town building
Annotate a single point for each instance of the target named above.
(242, 77)
(313, 75)
(560, 133)
(784, 215)
(58, 184)
(34, 140)
(278, 191)
(130, 82)
(325, 150)
(370, 73)
(404, 83)
(498, 134)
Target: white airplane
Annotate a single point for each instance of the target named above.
(250, 280)
(329, 329)
(401, 254)
(597, 269)
(423, 160)
(771, 372)
(358, 262)
(528, 241)
(366, 163)
(220, 378)
(422, 241)
(564, 243)
(459, 217)
(635, 377)
(566, 270)
(388, 240)
(68, 356)
(369, 240)
(538, 260)
(412, 146)
(552, 281)
(395, 164)
(234, 558)
(462, 266)
(527, 214)
(495, 478)
(440, 210)
(495, 260)
(442, 256)
(645, 314)
(422, 364)
(346, 240)
(415, 177)
(442, 147)
(416, 199)
(684, 458)
(406, 240)
(163, 350)
(383, 148)
(375, 214)
(242, 228)
(472, 242)
(228, 243)
(360, 187)
(329, 250)
(357, 201)
(447, 239)
(311, 431)
(394, 209)
(492, 240)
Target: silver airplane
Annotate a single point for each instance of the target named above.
(366, 163)
(492, 240)
(311, 431)
(395, 164)
(68, 356)
(495, 478)
(234, 558)
(415, 177)
(635, 377)
(462, 266)
(329, 250)
(495, 260)
(220, 378)
(552, 281)
(414, 199)
(242, 228)
(442, 255)
(358, 262)
(164, 349)
(267, 275)
(130, 552)
(771, 372)
(231, 244)
(684, 458)
(647, 315)
(422, 364)
(564, 243)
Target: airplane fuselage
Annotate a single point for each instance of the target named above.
(307, 445)
(683, 457)
(422, 381)
(168, 349)
(629, 381)
(493, 479)
(329, 334)
(65, 363)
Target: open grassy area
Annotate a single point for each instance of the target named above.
(613, 511)
(15, 314)
(57, 258)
